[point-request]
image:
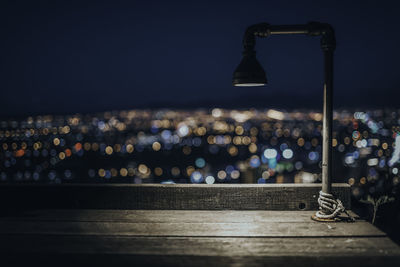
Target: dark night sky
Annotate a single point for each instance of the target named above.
(77, 56)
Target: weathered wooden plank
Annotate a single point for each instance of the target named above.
(40, 259)
(201, 228)
(189, 238)
(166, 216)
(180, 197)
(211, 246)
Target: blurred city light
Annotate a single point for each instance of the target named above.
(201, 146)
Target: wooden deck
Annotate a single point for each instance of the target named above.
(181, 237)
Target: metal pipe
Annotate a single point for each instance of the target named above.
(328, 44)
(288, 29)
(327, 123)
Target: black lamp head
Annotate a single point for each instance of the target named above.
(249, 72)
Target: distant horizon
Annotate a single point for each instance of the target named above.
(189, 107)
(276, 100)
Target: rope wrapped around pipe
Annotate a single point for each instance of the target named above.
(330, 207)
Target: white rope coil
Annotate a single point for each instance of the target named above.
(330, 207)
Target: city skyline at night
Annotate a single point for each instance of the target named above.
(199, 133)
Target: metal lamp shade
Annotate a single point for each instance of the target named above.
(249, 72)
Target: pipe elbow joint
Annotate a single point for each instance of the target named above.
(327, 33)
(328, 39)
(257, 30)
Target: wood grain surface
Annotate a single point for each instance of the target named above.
(177, 197)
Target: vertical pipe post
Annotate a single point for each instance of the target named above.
(327, 123)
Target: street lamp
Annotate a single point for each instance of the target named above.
(250, 73)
